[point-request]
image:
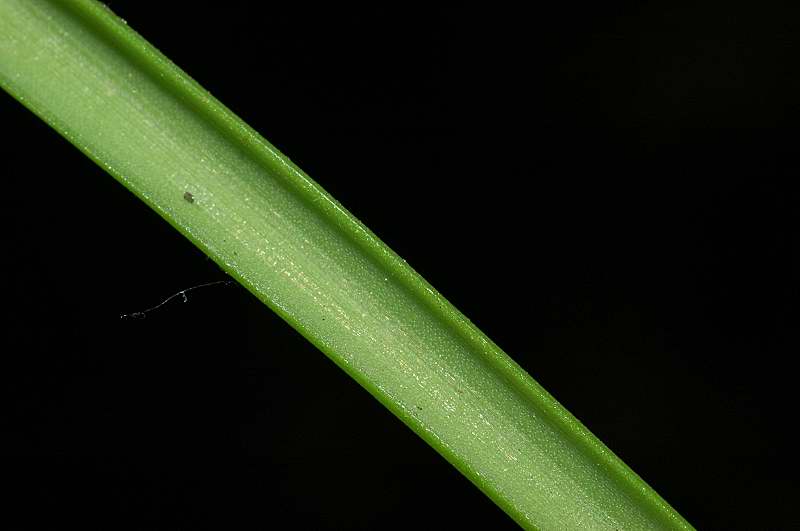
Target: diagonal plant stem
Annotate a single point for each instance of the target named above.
(126, 106)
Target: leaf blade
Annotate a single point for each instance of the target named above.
(271, 227)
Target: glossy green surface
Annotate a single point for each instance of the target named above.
(272, 228)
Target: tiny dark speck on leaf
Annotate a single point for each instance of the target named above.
(188, 196)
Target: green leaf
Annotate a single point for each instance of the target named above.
(271, 227)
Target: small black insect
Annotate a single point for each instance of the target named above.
(188, 197)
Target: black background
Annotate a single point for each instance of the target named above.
(604, 192)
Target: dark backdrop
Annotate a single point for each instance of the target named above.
(604, 192)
